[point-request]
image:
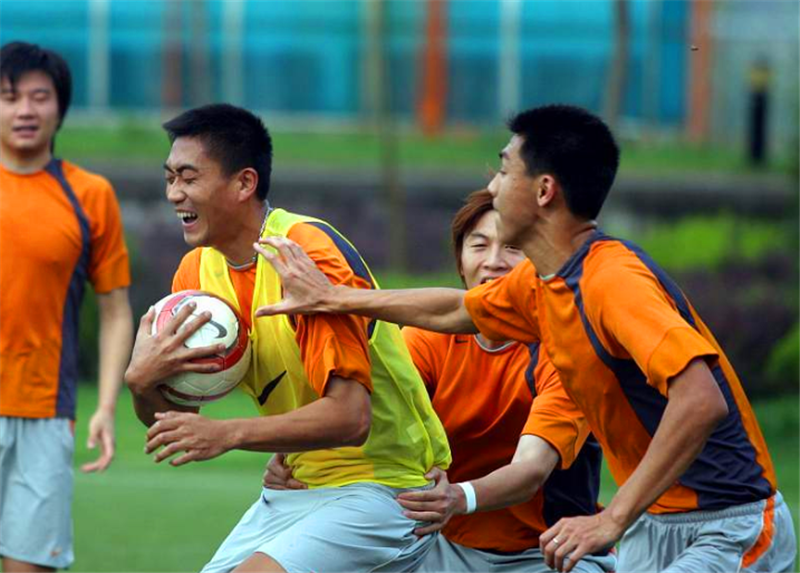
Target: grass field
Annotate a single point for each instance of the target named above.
(454, 150)
(139, 516)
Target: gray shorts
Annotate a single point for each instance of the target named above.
(753, 537)
(36, 490)
(358, 527)
(454, 558)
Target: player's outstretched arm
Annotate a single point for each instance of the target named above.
(308, 291)
(694, 408)
(156, 357)
(514, 483)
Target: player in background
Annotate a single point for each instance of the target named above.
(60, 227)
(697, 488)
(339, 391)
(516, 436)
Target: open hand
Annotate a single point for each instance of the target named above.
(200, 438)
(158, 356)
(435, 505)
(305, 287)
(564, 544)
(101, 431)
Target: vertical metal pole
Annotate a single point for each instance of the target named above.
(99, 76)
(172, 55)
(618, 68)
(510, 56)
(232, 51)
(380, 106)
(651, 76)
(371, 62)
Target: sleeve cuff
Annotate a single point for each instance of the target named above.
(678, 348)
(330, 364)
(560, 433)
(480, 316)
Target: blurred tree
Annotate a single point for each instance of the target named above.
(618, 69)
(378, 95)
(172, 55)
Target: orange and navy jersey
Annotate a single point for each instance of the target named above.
(329, 344)
(618, 329)
(486, 399)
(59, 228)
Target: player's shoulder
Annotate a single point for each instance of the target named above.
(519, 282)
(187, 275)
(191, 260)
(84, 180)
(332, 252)
(522, 276)
(611, 264)
(523, 270)
(316, 236)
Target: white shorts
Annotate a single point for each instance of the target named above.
(358, 527)
(753, 537)
(36, 490)
(454, 558)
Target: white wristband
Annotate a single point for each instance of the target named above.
(469, 493)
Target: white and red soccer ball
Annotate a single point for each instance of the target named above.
(225, 327)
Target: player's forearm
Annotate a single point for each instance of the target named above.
(436, 309)
(694, 409)
(510, 485)
(148, 399)
(518, 481)
(338, 419)
(146, 403)
(116, 340)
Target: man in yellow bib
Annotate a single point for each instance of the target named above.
(340, 394)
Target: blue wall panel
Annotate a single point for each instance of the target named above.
(308, 57)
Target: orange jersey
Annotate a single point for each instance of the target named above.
(59, 228)
(329, 344)
(618, 329)
(486, 399)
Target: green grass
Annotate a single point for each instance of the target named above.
(141, 516)
(464, 149)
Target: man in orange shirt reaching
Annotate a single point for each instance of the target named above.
(519, 443)
(697, 488)
(60, 227)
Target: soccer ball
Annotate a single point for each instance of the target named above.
(225, 326)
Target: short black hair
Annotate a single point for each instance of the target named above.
(232, 136)
(573, 145)
(20, 58)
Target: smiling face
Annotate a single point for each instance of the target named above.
(29, 116)
(484, 256)
(205, 199)
(514, 194)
